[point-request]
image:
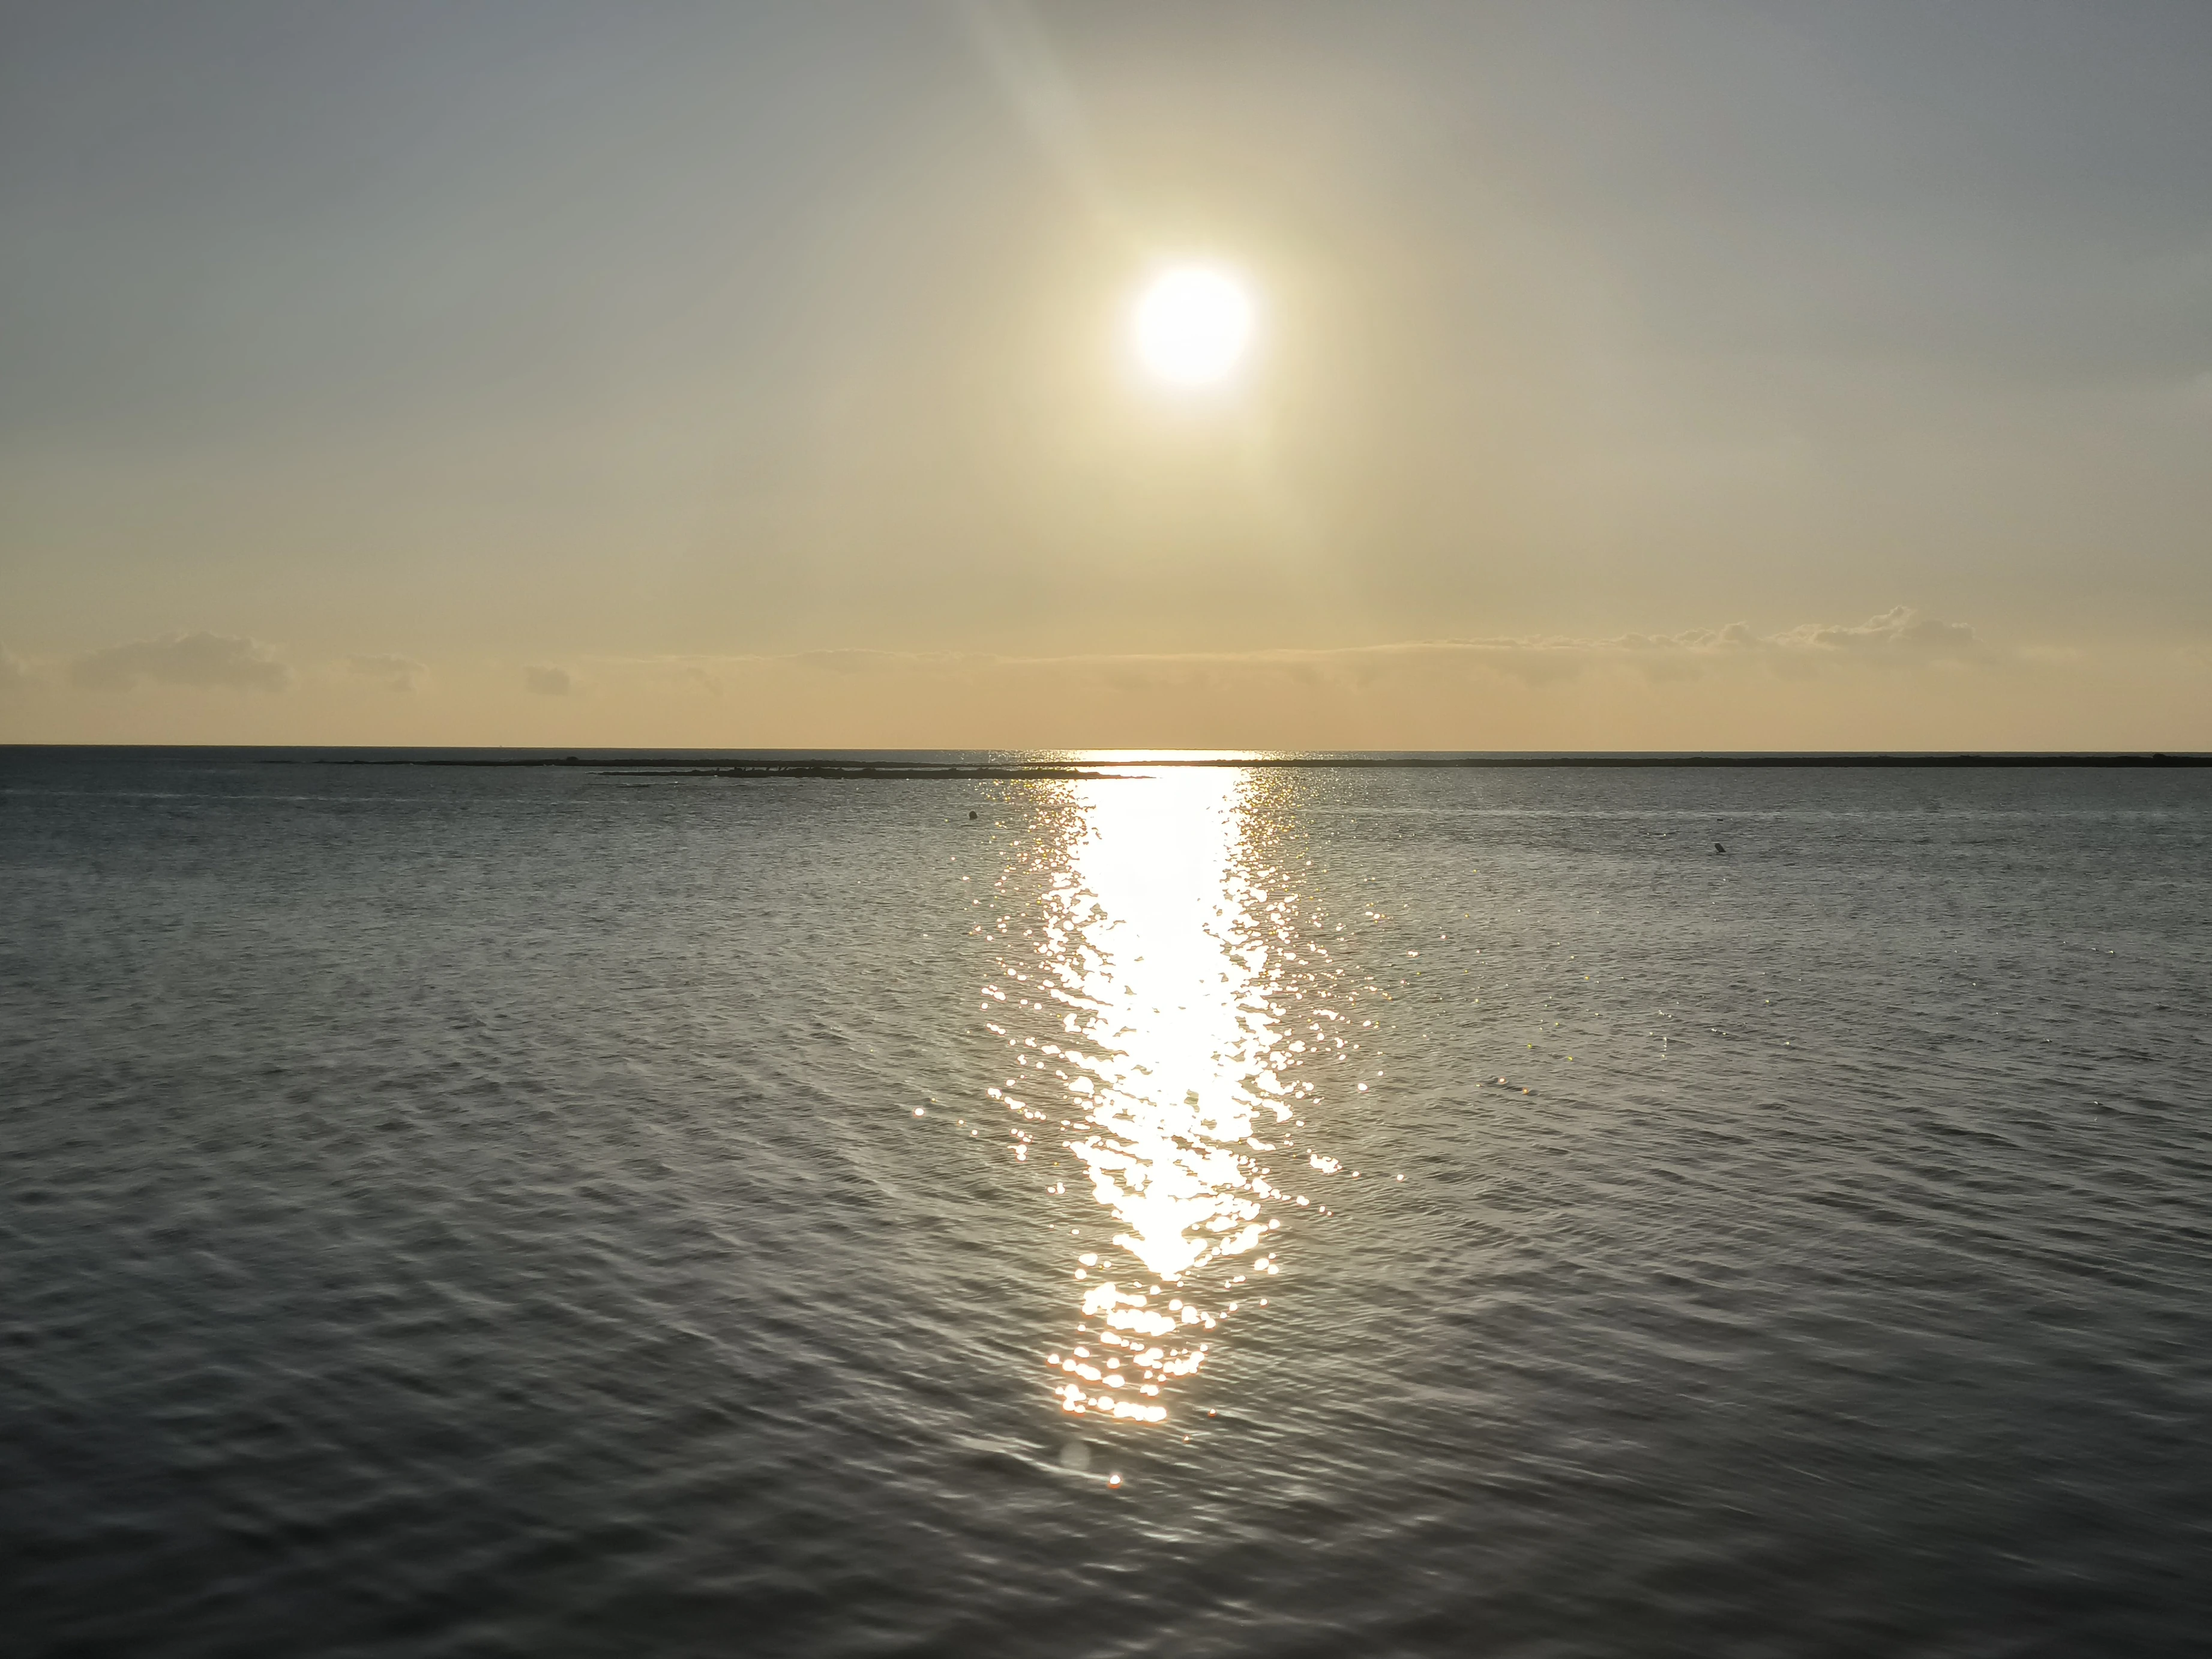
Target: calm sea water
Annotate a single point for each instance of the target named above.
(1216, 1212)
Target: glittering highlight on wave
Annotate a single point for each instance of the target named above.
(1187, 1018)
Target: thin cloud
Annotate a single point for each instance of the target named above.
(1900, 636)
(1901, 633)
(1902, 630)
(13, 675)
(392, 673)
(209, 661)
(549, 682)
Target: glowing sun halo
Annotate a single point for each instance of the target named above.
(1194, 324)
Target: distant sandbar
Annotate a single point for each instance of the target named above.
(911, 771)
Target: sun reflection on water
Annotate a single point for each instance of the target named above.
(1186, 1004)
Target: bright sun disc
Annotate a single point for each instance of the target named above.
(1192, 325)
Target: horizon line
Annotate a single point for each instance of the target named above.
(909, 762)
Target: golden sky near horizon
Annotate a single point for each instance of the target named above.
(1602, 375)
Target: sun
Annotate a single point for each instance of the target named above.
(1192, 325)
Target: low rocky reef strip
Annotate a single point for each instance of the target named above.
(854, 773)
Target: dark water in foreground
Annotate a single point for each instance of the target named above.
(533, 1212)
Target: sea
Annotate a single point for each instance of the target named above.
(1199, 1210)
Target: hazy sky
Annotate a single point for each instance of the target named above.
(1678, 375)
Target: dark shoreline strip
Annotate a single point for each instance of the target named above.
(675, 766)
(853, 773)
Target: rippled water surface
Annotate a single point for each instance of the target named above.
(1205, 1211)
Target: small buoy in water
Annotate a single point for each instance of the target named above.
(1717, 847)
(971, 817)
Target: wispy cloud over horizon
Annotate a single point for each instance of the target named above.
(1901, 634)
(1903, 629)
(202, 660)
(393, 673)
(1901, 678)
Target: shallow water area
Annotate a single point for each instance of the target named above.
(1224, 1211)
